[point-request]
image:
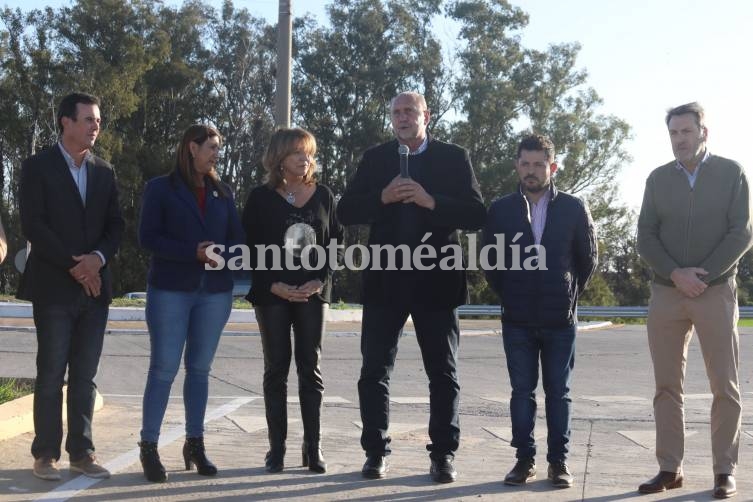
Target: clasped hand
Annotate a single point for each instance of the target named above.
(201, 253)
(297, 293)
(407, 191)
(86, 273)
(688, 281)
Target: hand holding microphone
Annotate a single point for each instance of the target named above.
(404, 189)
(403, 151)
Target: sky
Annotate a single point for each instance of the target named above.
(643, 57)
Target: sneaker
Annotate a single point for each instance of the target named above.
(46, 468)
(524, 471)
(88, 466)
(559, 474)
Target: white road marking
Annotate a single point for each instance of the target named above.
(81, 483)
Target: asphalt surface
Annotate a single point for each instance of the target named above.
(612, 438)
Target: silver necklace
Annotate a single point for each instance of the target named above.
(290, 196)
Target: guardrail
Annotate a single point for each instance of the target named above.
(583, 311)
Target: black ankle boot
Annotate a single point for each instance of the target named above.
(313, 458)
(150, 462)
(274, 461)
(193, 453)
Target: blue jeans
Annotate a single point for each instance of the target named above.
(194, 319)
(556, 348)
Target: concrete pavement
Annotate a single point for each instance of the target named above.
(612, 425)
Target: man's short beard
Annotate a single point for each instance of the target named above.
(538, 188)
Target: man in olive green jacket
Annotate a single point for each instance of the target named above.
(693, 228)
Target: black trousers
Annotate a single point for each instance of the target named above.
(307, 323)
(438, 337)
(68, 336)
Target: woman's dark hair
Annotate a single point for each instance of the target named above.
(198, 134)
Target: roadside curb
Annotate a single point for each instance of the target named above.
(465, 332)
(17, 416)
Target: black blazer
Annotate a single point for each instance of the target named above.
(446, 174)
(58, 225)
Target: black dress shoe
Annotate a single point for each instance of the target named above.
(665, 480)
(442, 470)
(724, 486)
(559, 474)
(524, 471)
(375, 467)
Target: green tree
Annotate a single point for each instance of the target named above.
(242, 67)
(30, 80)
(159, 68)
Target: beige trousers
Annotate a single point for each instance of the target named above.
(671, 317)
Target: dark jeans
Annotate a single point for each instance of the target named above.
(68, 336)
(438, 337)
(307, 323)
(556, 348)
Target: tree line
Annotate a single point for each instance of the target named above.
(159, 68)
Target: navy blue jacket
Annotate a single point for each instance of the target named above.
(541, 298)
(172, 226)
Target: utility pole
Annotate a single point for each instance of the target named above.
(284, 50)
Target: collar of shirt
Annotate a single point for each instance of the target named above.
(422, 148)
(530, 206)
(69, 160)
(679, 166)
(548, 194)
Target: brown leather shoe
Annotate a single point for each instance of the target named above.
(46, 468)
(663, 481)
(724, 486)
(88, 466)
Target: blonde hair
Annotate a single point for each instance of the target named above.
(284, 142)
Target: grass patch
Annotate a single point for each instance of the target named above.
(238, 303)
(11, 299)
(128, 302)
(13, 388)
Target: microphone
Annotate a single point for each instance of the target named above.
(403, 152)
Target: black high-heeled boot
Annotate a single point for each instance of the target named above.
(311, 403)
(276, 407)
(194, 453)
(150, 462)
(313, 458)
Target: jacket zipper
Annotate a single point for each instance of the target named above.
(687, 229)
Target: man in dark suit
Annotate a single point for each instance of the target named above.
(440, 196)
(70, 215)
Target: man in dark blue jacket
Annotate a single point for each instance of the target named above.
(549, 254)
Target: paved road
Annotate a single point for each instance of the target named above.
(612, 426)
